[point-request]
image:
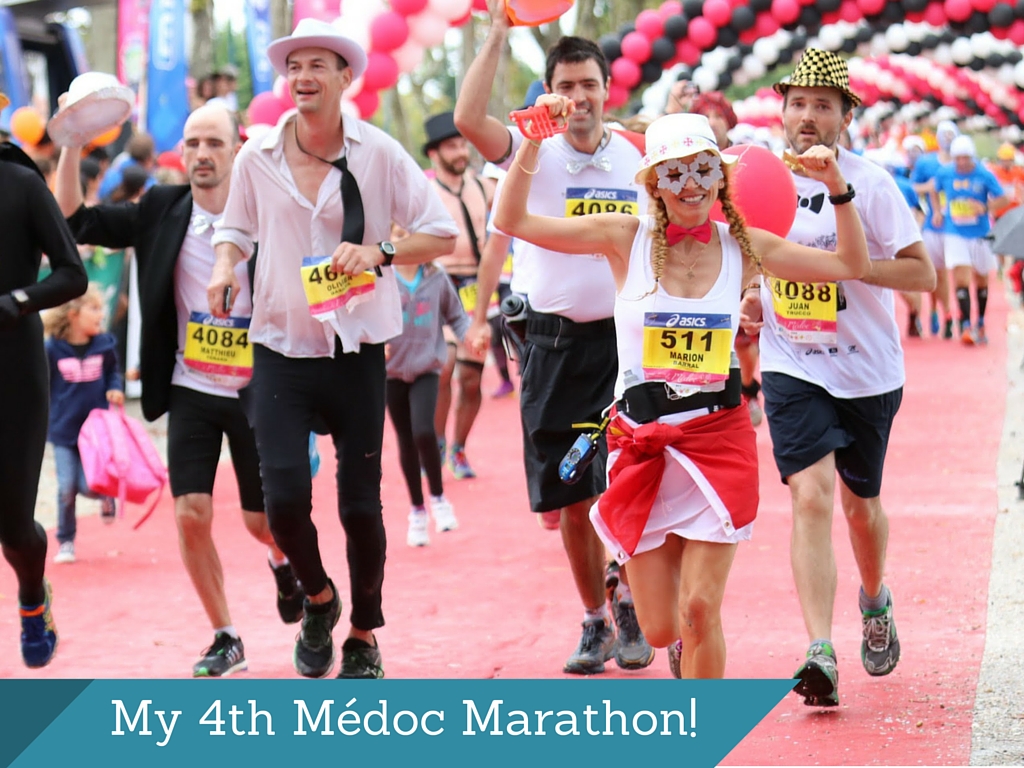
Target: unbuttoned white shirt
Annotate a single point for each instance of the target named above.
(265, 205)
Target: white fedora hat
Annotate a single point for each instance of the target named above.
(312, 33)
(675, 136)
(96, 103)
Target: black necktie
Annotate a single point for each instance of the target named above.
(352, 202)
(470, 229)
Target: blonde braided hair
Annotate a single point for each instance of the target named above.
(737, 225)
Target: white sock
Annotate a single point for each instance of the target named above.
(418, 511)
(623, 593)
(597, 613)
(274, 562)
(228, 630)
(436, 499)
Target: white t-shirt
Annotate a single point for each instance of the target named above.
(579, 287)
(191, 276)
(866, 358)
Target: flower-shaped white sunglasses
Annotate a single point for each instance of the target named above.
(705, 170)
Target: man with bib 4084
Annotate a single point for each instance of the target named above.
(833, 374)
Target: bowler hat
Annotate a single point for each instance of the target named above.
(438, 128)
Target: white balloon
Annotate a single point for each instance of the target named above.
(942, 55)
(740, 78)
(961, 51)
(409, 56)
(878, 46)
(356, 29)
(982, 44)
(1018, 74)
(427, 28)
(705, 79)
(753, 67)
(1006, 74)
(362, 11)
(450, 10)
(896, 38)
(766, 50)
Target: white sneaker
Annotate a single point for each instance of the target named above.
(756, 414)
(444, 515)
(417, 535)
(66, 553)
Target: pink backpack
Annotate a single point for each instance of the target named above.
(120, 460)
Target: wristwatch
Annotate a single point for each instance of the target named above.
(845, 197)
(388, 249)
(21, 299)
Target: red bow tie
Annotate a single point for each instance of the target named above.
(674, 233)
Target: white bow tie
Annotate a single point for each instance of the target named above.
(601, 163)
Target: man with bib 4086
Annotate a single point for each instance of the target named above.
(468, 201)
(833, 374)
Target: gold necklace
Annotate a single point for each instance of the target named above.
(704, 247)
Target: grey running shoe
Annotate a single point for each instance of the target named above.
(632, 651)
(360, 661)
(675, 651)
(611, 578)
(880, 648)
(819, 677)
(314, 647)
(289, 594)
(597, 645)
(225, 657)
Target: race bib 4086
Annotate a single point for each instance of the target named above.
(583, 201)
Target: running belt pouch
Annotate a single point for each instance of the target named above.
(120, 460)
(647, 402)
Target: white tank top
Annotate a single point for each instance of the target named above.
(693, 336)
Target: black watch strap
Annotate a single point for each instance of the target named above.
(846, 197)
(388, 253)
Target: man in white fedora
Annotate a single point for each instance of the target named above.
(321, 314)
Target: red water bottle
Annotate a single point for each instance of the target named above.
(536, 123)
(533, 13)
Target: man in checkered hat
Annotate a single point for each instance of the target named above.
(833, 374)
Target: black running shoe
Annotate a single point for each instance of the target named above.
(225, 657)
(632, 651)
(314, 647)
(819, 677)
(597, 645)
(289, 594)
(360, 661)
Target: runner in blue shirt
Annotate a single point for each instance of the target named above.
(971, 191)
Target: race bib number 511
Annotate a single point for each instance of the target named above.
(687, 349)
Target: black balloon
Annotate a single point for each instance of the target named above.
(693, 8)
(676, 26)
(724, 81)
(650, 72)
(893, 13)
(995, 60)
(930, 42)
(743, 18)
(798, 40)
(972, 105)
(785, 55)
(914, 49)
(849, 45)
(760, 6)
(864, 34)
(611, 46)
(914, 6)
(1014, 56)
(663, 50)
(726, 38)
(827, 6)
(977, 23)
(626, 28)
(734, 63)
(1018, 9)
(809, 17)
(1001, 16)
(947, 36)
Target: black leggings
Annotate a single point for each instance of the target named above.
(24, 395)
(346, 394)
(412, 409)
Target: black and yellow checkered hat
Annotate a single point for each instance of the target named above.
(820, 69)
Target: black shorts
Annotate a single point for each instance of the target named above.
(568, 377)
(196, 425)
(807, 424)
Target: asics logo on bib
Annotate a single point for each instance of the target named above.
(601, 194)
(675, 321)
(205, 319)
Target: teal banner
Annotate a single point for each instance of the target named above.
(454, 722)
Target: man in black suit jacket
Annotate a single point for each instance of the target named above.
(191, 364)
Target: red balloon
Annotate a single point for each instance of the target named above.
(830, 17)
(1016, 32)
(265, 109)
(702, 33)
(464, 20)
(872, 7)
(650, 24)
(381, 71)
(636, 47)
(849, 11)
(388, 31)
(997, 32)
(759, 169)
(984, 5)
(625, 73)
(958, 10)
(478, 5)
(766, 25)
(412, 7)
(916, 17)
(718, 12)
(687, 52)
(748, 36)
(367, 102)
(935, 14)
(618, 95)
(785, 11)
(670, 8)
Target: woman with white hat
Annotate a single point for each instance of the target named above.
(683, 461)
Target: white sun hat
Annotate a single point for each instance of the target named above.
(313, 33)
(679, 135)
(96, 103)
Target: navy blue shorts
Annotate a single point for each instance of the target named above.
(807, 424)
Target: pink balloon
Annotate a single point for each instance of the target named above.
(670, 8)
(283, 93)
(428, 29)
(830, 17)
(449, 10)
(984, 5)
(935, 14)
(367, 103)
(388, 31)
(703, 34)
(766, 25)
(687, 52)
(411, 7)
(759, 169)
(478, 5)
(625, 73)
(997, 33)
(748, 36)
(464, 19)
(636, 47)
(849, 11)
(958, 10)
(650, 24)
(872, 7)
(785, 11)
(265, 108)
(409, 56)
(618, 95)
(381, 72)
(718, 12)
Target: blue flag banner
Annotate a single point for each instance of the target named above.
(257, 33)
(167, 95)
(458, 722)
